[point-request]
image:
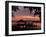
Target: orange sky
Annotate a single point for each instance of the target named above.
(33, 18)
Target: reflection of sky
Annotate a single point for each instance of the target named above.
(22, 11)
